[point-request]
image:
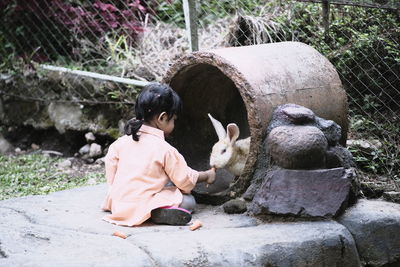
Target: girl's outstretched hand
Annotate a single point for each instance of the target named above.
(207, 176)
(211, 176)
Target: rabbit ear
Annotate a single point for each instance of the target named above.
(233, 132)
(219, 129)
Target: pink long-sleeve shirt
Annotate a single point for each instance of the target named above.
(137, 173)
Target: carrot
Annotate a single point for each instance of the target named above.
(196, 225)
(119, 234)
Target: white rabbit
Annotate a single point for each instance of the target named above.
(228, 152)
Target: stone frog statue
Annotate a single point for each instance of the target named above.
(228, 152)
(305, 171)
(298, 139)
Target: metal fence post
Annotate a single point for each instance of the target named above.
(325, 16)
(189, 9)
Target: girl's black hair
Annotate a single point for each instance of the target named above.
(154, 99)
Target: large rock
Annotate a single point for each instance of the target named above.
(65, 229)
(65, 116)
(95, 150)
(305, 193)
(85, 149)
(5, 146)
(90, 138)
(375, 226)
(297, 147)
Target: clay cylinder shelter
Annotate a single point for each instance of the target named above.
(244, 85)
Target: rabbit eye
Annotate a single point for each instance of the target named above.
(223, 151)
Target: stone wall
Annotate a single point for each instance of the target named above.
(58, 104)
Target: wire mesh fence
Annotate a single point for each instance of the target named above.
(140, 39)
(363, 44)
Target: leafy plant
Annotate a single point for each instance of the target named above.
(207, 11)
(121, 54)
(362, 43)
(380, 155)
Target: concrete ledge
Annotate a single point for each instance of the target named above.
(65, 229)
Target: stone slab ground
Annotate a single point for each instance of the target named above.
(65, 229)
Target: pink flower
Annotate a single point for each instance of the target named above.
(104, 7)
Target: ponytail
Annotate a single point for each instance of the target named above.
(132, 127)
(154, 99)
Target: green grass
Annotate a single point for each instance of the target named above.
(35, 174)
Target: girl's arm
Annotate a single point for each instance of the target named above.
(175, 166)
(184, 177)
(111, 162)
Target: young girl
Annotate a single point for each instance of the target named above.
(141, 165)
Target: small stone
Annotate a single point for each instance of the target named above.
(95, 150)
(290, 114)
(299, 114)
(65, 164)
(84, 150)
(35, 146)
(88, 160)
(17, 150)
(90, 138)
(100, 161)
(235, 206)
(46, 188)
(91, 181)
(365, 145)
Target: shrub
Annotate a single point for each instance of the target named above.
(45, 29)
